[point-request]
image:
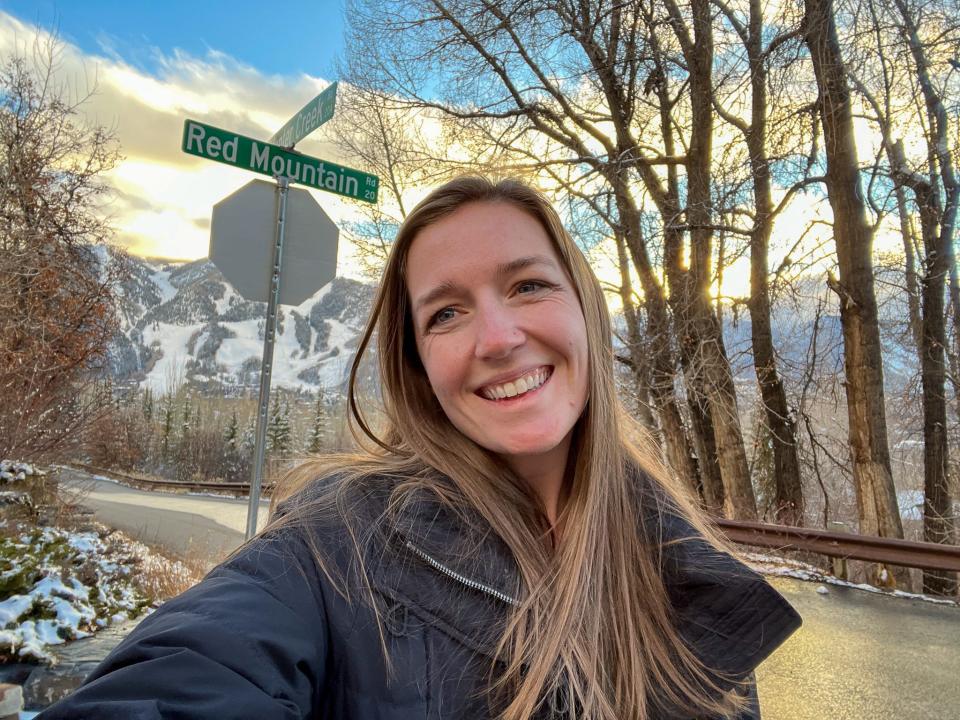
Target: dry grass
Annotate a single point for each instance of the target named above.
(160, 577)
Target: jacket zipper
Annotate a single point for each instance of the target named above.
(436, 565)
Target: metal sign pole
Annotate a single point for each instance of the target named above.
(266, 369)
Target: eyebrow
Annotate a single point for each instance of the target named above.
(448, 287)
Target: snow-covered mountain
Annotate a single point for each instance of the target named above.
(184, 323)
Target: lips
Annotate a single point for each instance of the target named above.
(527, 382)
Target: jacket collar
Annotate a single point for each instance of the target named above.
(449, 567)
(452, 570)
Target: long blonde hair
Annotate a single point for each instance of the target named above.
(594, 622)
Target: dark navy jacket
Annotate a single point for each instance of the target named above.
(266, 635)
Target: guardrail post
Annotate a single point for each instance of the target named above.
(839, 564)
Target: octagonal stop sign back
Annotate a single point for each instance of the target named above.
(243, 233)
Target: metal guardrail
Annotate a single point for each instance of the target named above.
(905, 553)
(241, 489)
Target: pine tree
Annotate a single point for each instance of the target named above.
(167, 428)
(187, 418)
(278, 429)
(232, 434)
(147, 405)
(318, 435)
(249, 438)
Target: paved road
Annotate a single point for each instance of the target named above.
(188, 525)
(863, 656)
(858, 656)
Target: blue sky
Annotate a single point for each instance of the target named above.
(283, 38)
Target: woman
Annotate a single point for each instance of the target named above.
(508, 551)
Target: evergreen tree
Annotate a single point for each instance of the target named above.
(249, 438)
(167, 427)
(278, 429)
(187, 418)
(231, 435)
(147, 405)
(318, 434)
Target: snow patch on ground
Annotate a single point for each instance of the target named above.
(783, 567)
(61, 585)
(223, 304)
(287, 363)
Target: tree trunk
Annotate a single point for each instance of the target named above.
(938, 524)
(700, 326)
(662, 370)
(870, 456)
(635, 342)
(788, 488)
(937, 226)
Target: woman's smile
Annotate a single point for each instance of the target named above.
(523, 385)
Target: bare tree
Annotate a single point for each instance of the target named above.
(779, 418)
(387, 139)
(56, 279)
(869, 452)
(572, 76)
(937, 195)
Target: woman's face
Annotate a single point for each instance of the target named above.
(500, 331)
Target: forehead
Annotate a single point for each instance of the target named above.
(473, 241)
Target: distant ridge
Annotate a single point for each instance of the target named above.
(182, 323)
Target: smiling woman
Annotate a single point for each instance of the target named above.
(509, 548)
(502, 338)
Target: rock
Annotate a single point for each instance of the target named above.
(823, 590)
(11, 701)
(46, 685)
(11, 497)
(75, 660)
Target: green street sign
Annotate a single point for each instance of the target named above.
(246, 153)
(311, 116)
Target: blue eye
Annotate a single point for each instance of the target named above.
(529, 286)
(442, 316)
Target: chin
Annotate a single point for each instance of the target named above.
(527, 447)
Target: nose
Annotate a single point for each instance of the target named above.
(498, 332)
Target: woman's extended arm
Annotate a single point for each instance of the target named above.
(249, 641)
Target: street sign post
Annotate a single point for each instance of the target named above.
(304, 253)
(266, 364)
(244, 220)
(257, 156)
(311, 116)
(237, 233)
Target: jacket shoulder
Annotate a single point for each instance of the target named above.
(251, 635)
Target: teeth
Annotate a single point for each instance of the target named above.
(516, 387)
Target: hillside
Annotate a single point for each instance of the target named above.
(182, 323)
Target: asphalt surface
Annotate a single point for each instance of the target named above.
(190, 526)
(858, 656)
(863, 656)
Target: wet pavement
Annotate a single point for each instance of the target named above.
(863, 656)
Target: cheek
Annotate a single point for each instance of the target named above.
(442, 369)
(579, 351)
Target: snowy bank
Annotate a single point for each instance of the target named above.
(57, 585)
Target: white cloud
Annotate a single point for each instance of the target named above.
(164, 197)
